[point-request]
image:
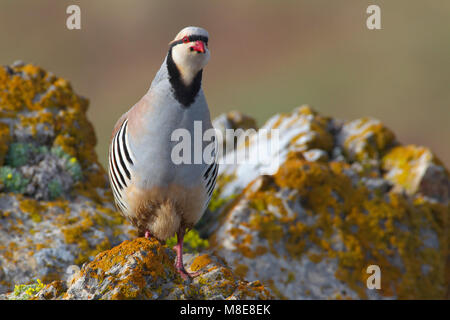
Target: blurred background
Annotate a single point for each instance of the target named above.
(267, 57)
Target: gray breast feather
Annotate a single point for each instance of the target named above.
(154, 145)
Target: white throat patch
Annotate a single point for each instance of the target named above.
(189, 62)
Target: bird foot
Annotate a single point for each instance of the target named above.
(184, 274)
(181, 270)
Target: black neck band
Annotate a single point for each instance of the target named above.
(185, 94)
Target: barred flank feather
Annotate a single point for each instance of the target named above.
(209, 178)
(120, 162)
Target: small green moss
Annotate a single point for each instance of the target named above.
(59, 152)
(12, 180)
(18, 154)
(192, 242)
(74, 168)
(26, 291)
(72, 165)
(43, 149)
(54, 189)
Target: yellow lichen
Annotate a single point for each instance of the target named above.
(367, 139)
(32, 208)
(405, 166)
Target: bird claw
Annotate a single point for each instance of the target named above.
(186, 275)
(182, 271)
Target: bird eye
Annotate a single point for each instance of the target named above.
(186, 39)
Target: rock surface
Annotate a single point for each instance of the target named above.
(55, 203)
(343, 196)
(234, 122)
(143, 269)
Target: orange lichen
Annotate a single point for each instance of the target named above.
(74, 229)
(67, 143)
(152, 261)
(241, 270)
(32, 208)
(53, 290)
(200, 262)
(5, 139)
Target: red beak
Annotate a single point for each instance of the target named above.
(199, 46)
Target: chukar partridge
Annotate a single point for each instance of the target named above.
(158, 196)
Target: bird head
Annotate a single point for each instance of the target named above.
(190, 52)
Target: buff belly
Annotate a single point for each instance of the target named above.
(163, 211)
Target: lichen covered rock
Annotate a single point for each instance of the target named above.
(344, 195)
(55, 203)
(364, 139)
(416, 170)
(143, 269)
(234, 122)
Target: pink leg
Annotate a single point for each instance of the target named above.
(179, 262)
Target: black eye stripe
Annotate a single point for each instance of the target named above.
(191, 39)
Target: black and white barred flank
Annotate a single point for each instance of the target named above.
(210, 177)
(120, 163)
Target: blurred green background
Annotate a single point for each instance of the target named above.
(267, 57)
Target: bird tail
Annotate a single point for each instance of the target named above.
(167, 221)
